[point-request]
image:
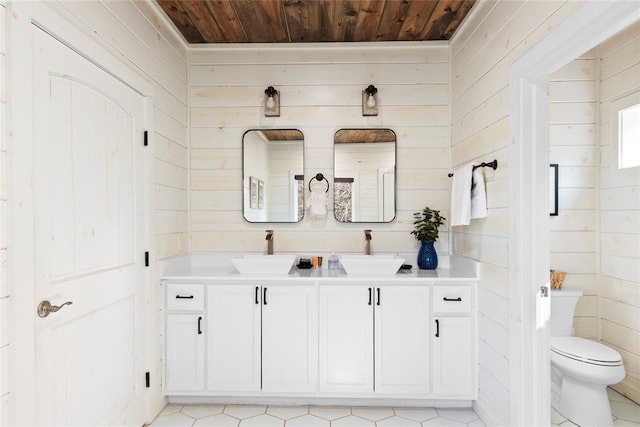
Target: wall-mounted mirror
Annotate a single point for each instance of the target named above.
(273, 175)
(364, 175)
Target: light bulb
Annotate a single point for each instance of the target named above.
(270, 103)
(371, 102)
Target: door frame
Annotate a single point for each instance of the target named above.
(56, 20)
(593, 23)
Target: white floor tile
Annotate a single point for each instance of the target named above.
(352, 421)
(442, 422)
(287, 412)
(477, 423)
(170, 409)
(397, 422)
(464, 415)
(557, 417)
(263, 420)
(307, 421)
(623, 423)
(568, 424)
(244, 411)
(416, 414)
(173, 420)
(626, 411)
(330, 412)
(373, 413)
(201, 411)
(220, 420)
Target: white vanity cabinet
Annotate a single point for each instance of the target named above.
(454, 348)
(261, 337)
(185, 342)
(408, 338)
(374, 338)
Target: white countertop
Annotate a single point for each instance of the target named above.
(217, 266)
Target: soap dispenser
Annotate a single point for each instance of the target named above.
(334, 263)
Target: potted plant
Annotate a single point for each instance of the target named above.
(426, 231)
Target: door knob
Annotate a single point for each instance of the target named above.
(45, 307)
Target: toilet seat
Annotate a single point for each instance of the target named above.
(586, 351)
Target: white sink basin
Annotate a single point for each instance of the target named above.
(272, 265)
(371, 265)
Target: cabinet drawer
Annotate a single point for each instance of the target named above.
(185, 296)
(452, 299)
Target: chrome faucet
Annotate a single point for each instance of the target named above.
(269, 240)
(367, 242)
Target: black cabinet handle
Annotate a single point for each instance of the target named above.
(370, 295)
(264, 296)
(257, 294)
(437, 328)
(378, 303)
(452, 299)
(184, 297)
(200, 325)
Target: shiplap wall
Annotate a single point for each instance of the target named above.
(620, 213)
(4, 285)
(573, 94)
(496, 34)
(320, 90)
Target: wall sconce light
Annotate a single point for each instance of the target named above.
(370, 101)
(271, 102)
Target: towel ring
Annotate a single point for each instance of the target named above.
(319, 177)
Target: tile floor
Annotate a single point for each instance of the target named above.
(312, 416)
(626, 413)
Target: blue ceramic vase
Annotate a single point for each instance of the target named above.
(427, 256)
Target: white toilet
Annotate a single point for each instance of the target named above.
(581, 369)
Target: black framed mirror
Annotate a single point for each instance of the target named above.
(364, 175)
(273, 175)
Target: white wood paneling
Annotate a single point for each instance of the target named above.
(619, 212)
(320, 89)
(495, 35)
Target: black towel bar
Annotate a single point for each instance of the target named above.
(493, 165)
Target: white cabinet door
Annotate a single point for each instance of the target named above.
(233, 338)
(346, 339)
(289, 338)
(402, 339)
(184, 352)
(453, 356)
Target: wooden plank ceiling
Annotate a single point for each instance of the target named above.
(306, 21)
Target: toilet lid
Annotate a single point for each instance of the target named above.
(585, 350)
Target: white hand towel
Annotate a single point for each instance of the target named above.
(478, 195)
(461, 195)
(317, 205)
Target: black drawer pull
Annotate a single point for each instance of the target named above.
(183, 297)
(437, 328)
(257, 293)
(264, 296)
(378, 303)
(370, 295)
(200, 325)
(452, 299)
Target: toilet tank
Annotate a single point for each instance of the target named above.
(563, 305)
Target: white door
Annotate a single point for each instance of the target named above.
(289, 338)
(402, 339)
(89, 222)
(233, 337)
(346, 339)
